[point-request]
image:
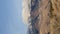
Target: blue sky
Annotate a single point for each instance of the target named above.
(11, 17)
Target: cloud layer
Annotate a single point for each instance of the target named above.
(26, 11)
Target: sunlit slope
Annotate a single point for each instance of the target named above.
(55, 17)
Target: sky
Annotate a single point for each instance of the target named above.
(11, 17)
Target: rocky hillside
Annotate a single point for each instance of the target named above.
(44, 17)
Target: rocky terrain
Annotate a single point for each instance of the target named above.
(47, 16)
(44, 17)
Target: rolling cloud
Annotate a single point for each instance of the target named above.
(26, 11)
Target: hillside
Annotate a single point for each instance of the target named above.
(44, 17)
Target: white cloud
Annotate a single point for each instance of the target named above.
(25, 11)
